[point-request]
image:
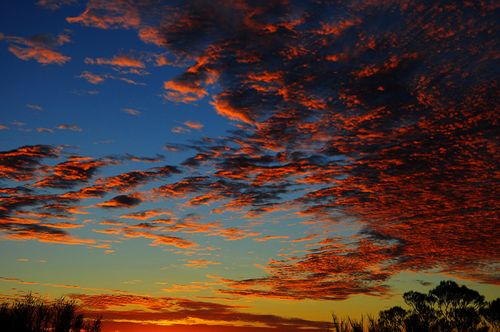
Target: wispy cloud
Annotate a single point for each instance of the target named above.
(35, 107)
(72, 127)
(131, 111)
(194, 125)
(200, 263)
(40, 48)
(117, 60)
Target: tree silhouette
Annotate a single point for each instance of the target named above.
(392, 319)
(32, 314)
(446, 308)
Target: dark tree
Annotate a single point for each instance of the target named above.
(31, 314)
(491, 314)
(446, 308)
(392, 319)
(457, 307)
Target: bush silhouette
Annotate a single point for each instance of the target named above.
(446, 308)
(32, 314)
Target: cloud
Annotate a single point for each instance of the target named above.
(40, 48)
(372, 116)
(193, 125)
(35, 107)
(55, 4)
(131, 111)
(158, 158)
(72, 127)
(179, 130)
(121, 201)
(270, 237)
(351, 118)
(200, 263)
(132, 179)
(45, 130)
(171, 311)
(145, 215)
(17, 230)
(92, 78)
(117, 60)
(108, 15)
(74, 171)
(97, 79)
(22, 163)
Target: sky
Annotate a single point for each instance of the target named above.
(246, 165)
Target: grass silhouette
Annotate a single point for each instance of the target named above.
(32, 314)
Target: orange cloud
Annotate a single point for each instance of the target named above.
(193, 125)
(151, 35)
(43, 56)
(117, 60)
(270, 237)
(39, 48)
(121, 201)
(92, 78)
(108, 15)
(200, 263)
(71, 172)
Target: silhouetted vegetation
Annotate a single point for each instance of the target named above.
(32, 314)
(446, 308)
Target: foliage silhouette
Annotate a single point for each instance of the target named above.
(446, 308)
(32, 314)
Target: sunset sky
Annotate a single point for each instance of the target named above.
(246, 165)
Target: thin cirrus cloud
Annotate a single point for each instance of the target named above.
(95, 79)
(131, 111)
(35, 107)
(92, 78)
(200, 263)
(117, 60)
(71, 127)
(194, 125)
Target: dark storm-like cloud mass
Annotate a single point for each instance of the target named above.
(382, 113)
(380, 110)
